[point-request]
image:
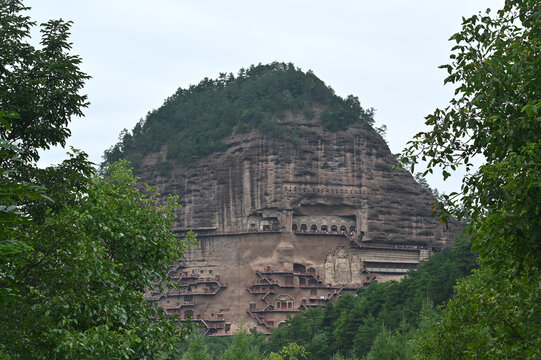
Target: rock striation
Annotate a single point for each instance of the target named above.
(285, 226)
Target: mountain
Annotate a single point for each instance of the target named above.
(291, 190)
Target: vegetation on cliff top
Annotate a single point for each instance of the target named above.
(193, 121)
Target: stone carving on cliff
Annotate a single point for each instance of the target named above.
(356, 270)
(342, 272)
(329, 269)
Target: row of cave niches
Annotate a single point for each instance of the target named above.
(334, 229)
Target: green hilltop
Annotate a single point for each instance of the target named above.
(193, 121)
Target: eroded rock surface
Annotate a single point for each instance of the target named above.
(284, 227)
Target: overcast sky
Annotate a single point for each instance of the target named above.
(139, 52)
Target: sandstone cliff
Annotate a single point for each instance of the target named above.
(293, 208)
(263, 182)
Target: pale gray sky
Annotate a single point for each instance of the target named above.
(138, 53)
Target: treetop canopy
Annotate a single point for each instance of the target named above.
(193, 121)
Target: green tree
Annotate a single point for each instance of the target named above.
(242, 348)
(496, 66)
(342, 357)
(290, 352)
(390, 345)
(423, 333)
(197, 349)
(81, 286)
(77, 252)
(12, 192)
(215, 346)
(40, 84)
(39, 93)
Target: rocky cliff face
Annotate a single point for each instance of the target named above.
(331, 181)
(284, 227)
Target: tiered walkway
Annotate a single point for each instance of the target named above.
(266, 286)
(187, 285)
